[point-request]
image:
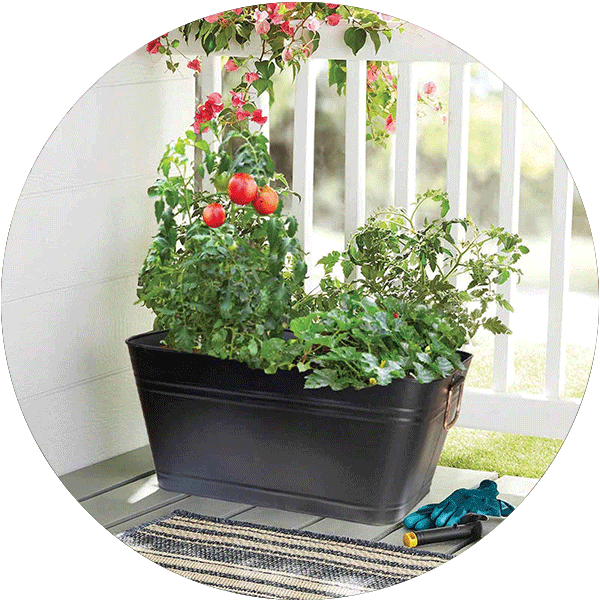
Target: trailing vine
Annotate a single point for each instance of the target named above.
(288, 34)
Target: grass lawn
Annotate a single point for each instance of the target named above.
(504, 453)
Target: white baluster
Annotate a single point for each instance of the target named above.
(508, 214)
(562, 218)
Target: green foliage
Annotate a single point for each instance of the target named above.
(398, 302)
(361, 344)
(448, 265)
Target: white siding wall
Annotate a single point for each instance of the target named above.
(79, 234)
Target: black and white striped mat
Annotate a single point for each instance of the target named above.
(274, 563)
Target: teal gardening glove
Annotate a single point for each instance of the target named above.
(482, 501)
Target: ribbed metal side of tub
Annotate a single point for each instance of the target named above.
(220, 429)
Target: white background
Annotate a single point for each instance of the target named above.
(53, 52)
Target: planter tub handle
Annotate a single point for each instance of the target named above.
(456, 388)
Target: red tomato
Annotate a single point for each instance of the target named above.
(242, 188)
(267, 200)
(214, 215)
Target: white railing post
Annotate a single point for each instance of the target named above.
(508, 213)
(562, 218)
(210, 82)
(406, 137)
(458, 139)
(356, 131)
(304, 154)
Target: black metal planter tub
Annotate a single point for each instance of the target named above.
(219, 429)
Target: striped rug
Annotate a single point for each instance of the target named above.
(274, 563)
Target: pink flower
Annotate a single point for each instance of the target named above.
(241, 114)
(334, 19)
(237, 98)
(390, 125)
(215, 102)
(287, 28)
(430, 88)
(272, 7)
(313, 23)
(257, 117)
(250, 77)
(290, 5)
(276, 19)
(260, 15)
(332, 6)
(238, 11)
(153, 46)
(194, 65)
(213, 18)
(262, 27)
(231, 65)
(204, 114)
(373, 73)
(287, 54)
(308, 49)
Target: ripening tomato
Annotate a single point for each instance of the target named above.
(267, 201)
(214, 215)
(242, 188)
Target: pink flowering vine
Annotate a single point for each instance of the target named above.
(257, 117)
(313, 23)
(213, 18)
(333, 19)
(231, 65)
(373, 73)
(241, 114)
(208, 110)
(251, 77)
(430, 88)
(153, 46)
(287, 28)
(194, 65)
(390, 125)
(287, 54)
(237, 98)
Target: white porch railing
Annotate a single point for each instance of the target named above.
(547, 415)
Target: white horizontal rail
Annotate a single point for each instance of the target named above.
(560, 250)
(517, 413)
(414, 45)
(508, 213)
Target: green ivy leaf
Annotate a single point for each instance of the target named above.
(355, 38)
